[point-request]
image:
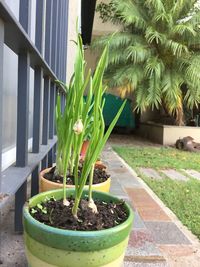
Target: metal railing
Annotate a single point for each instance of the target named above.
(48, 59)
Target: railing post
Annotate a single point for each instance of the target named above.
(44, 163)
(52, 110)
(50, 158)
(48, 31)
(61, 40)
(37, 109)
(58, 42)
(39, 35)
(53, 35)
(38, 81)
(45, 129)
(25, 15)
(22, 113)
(23, 109)
(1, 90)
(38, 86)
(35, 181)
(56, 93)
(65, 39)
(22, 132)
(54, 153)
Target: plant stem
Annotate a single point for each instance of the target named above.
(91, 203)
(91, 182)
(75, 207)
(72, 164)
(73, 154)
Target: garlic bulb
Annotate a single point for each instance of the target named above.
(78, 127)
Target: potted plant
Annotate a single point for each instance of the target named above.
(78, 113)
(78, 227)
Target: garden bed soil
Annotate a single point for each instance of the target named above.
(100, 176)
(55, 214)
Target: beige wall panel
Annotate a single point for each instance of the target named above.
(100, 28)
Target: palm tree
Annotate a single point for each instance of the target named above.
(156, 53)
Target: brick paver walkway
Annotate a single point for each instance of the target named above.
(157, 238)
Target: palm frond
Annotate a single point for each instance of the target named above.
(171, 90)
(176, 48)
(156, 5)
(129, 13)
(184, 30)
(154, 66)
(154, 97)
(182, 8)
(192, 71)
(152, 35)
(138, 53)
(117, 40)
(141, 97)
(192, 97)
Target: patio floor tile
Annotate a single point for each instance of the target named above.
(138, 222)
(150, 173)
(144, 264)
(175, 175)
(177, 250)
(194, 174)
(181, 255)
(141, 244)
(148, 209)
(166, 233)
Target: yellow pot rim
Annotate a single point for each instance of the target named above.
(41, 176)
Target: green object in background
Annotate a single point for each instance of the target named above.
(112, 105)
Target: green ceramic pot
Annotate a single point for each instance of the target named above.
(47, 246)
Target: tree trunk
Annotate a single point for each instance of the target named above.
(180, 118)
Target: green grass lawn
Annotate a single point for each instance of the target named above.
(159, 157)
(183, 198)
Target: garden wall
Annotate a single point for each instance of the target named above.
(167, 134)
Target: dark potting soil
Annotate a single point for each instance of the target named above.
(100, 176)
(55, 214)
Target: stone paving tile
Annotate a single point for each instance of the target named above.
(138, 222)
(145, 264)
(175, 175)
(116, 189)
(148, 209)
(193, 173)
(141, 244)
(177, 250)
(114, 165)
(126, 179)
(150, 173)
(181, 255)
(166, 233)
(121, 170)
